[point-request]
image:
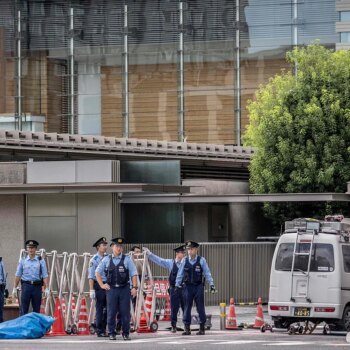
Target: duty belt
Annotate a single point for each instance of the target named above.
(118, 285)
(34, 283)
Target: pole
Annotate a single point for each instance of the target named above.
(180, 88)
(125, 92)
(71, 65)
(19, 73)
(222, 316)
(238, 77)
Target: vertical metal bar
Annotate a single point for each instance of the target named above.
(295, 30)
(180, 75)
(19, 73)
(125, 91)
(238, 77)
(222, 316)
(71, 66)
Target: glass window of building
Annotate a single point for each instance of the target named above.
(345, 16)
(345, 37)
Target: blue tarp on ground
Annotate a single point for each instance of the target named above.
(30, 326)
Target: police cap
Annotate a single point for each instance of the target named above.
(32, 243)
(191, 244)
(118, 240)
(179, 249)
(100, 241)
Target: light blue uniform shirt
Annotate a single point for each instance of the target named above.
(94, 261)
(203, 263)
(29, 269)
(2, 273)
(104, 264)
(166, 263)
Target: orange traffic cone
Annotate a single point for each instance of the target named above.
(64, 308)
(148, 303)
(73, 306)
(259, 318)
(58, 326)
(231, 321)
(83, 325)
(42, 306)
(143, 327)
(167, 310)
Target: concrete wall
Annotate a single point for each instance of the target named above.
(12, 218)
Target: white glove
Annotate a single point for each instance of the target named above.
(146, 250)
(15, 292)
(92, 294)
(46, 292)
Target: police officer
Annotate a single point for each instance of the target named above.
(2, 288)
(116, 270)
(32, 272)
(190, 274)
(96, 292)
(176, 298)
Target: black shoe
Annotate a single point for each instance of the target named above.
(201, 330)
(112, 337)
(126, 337)
(173, 329)
(187, 330)
(102, 335)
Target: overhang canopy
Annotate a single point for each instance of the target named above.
(238, 198)
(96, 187)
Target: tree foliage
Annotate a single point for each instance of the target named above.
(300, 124)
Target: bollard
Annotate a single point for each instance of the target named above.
(222, 316)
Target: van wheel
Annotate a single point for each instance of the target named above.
(281, 323)
(346, 318)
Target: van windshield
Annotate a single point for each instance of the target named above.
(322, 257)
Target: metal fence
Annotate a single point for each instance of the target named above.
(240, 270)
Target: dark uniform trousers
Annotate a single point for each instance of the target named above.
(176, 301)
(2, 291)
(118, 301)
(30, 293)
(194, 292)
(101, 309)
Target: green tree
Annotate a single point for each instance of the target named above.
(300, 124)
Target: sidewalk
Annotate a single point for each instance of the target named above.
(244, 314)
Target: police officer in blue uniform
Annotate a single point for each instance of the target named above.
(191, 274)
(172, 265)
(116, 270)
(96, 292)
(2, 288)
(32, 272)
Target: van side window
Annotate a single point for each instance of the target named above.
(284, 257)
(346, 257)
(322, 257)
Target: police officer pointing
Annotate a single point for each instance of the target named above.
(2, 288)
(116, 269)
(96, 292)
(176, 298)
(32, 272)
(191, 272)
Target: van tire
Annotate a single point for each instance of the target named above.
(346, 318)
(281, 322)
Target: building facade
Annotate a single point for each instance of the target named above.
(151, 69)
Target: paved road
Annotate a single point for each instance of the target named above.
(246, 339)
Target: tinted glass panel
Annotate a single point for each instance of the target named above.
(322, 257)
(346, 257)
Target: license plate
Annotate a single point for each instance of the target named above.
(302, 311)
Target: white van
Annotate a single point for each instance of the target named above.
(310, 274)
